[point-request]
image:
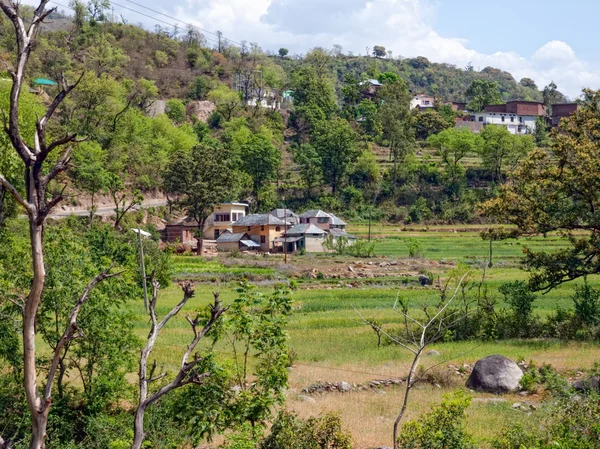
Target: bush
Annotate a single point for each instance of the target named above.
(415, 248)
(520, 299)
(290, 432)
(443, 427)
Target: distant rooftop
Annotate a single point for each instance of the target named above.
(305, 228)
(259, 220)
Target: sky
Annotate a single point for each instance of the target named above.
(546, 40)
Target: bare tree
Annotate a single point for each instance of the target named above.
(417, 336)
(187, 373)
(38, 202)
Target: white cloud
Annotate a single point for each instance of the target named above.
(403, 26)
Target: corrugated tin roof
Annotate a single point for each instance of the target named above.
(229, 237)
(335, 220)
(259, 220)
(250, 243)
(314, 213)
(305, 228)
(341, 233)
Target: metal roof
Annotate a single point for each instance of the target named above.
(341, 233)
(250, 243)
(314, 213)
(305, 228)
(230, 237)
(259, 220)
(337, 221)
(288, 239)
(282, 213)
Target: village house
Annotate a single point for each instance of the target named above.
(261, 228)
(229, 241)
(369, 88)
(323, 220)
(519, 117)
(223, 216)
(287, 215)
(304, 236)
(422, 101)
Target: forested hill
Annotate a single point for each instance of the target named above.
(175, 58)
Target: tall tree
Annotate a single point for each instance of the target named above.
(38, 202)
(201, 178)
(551, 96)
(559, 191)
(336, 144)
(260, 160)
(394, 115)
(482, 92)
(503, 150)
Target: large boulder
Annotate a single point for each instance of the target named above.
(590, 384)
(495, 374)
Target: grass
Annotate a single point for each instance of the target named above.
(332, 344)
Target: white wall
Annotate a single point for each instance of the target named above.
(526, 122)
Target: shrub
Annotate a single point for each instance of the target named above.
(520, 299)
(443, 427)
(323, 432)
(587, 305)
(515, 437)
(415, 248)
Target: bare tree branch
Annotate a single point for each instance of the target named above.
(18, 198)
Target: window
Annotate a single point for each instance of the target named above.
(502, 119)
(481, 118)
(248, 228)
(278, 228)
(234, 217)
(323, 220)
(426, 102)
(263, 239)
(217, 232)
(262, 228)
(512, 119)
(222, 217)
(520, 119)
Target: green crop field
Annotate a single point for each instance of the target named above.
(332, 343)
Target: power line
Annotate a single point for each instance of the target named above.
(181, 21)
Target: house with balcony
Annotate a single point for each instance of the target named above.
(422, 101)
(223, 216)
(261, 228)
(519, 117)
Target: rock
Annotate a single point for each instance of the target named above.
(424, 280)
(516, 405)
(344, 387)
(433, 353)
(490, 400)
(304, 398)
(350, 269)
(592, 383)
(495, 374)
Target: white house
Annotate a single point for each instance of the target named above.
(519, 117)
(422, 101)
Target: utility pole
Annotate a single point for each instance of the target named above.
(285, 243)
(219, 45)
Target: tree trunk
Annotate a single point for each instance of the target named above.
(138, 428)
(38, 409)
(200, 238)
(409, 385)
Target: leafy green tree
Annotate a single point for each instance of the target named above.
(175, 110)
(430, 122)
(551, 95)
(283, 52)
(336, 143)
(227, 100)
(394, 115)
(310, 88)
(201, 178)
(261, 160)
(541, 132)
(379, 51)
(482, 92)
(501, 149)
(310, 164)
(559, 191)
(89, 173)
(369, 119)
(388, 77)
(123, 199)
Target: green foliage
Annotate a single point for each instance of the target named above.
(482, 92)
(502, 150)
(443, 427)
(335, 143)
(290, 432)
(175, 110)
(429, 123)
(415, 248)
(520, 298)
